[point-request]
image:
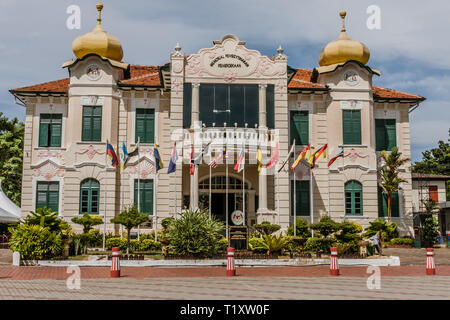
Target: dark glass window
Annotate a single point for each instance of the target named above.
(270, 106)
(385, 134)
(47, 195)
(230, 103)
(187, 105)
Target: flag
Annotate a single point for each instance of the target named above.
(259, 159)
(198, 160)
(173, 159)
(220, 156)
(112, 155)
(319, 154)
(241, 160)
(158, 162)
(191, 162)
(305, 154)
(340, 154)
(291, 151)
(274, 159)
(123, 157)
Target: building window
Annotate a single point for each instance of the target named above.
(385, 134)
(383, 204)
(220, 183)
(433, 193)
(302, 198)
(145, 125)
(351, 125)
(187, 105)
(353, 198)
(92, 123)
(47, 195)
(50, 130)
(299, 127)
(270, 106)
(89, 196)
(145, 195)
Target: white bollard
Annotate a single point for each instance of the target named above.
(16, 259)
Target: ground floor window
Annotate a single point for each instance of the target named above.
(47, 195)
(89, 196)
(145, 195)
(353, 198)
(383, 204)
(302, 199)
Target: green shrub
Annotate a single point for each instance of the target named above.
(44, 217)
(301, 228)
(349, 232)
(94, 238)
(402, 241)
(293, 244)
(222, 245)
(319, 245)
(35, 242)
(429, 231)
(147, 236)
(326, 226)
(275, 244)
(134, 245)
(388, 229)
(257, 245)
(194, 233)
(87, 221)
(266, 228)
(116, 242)
(348, 248)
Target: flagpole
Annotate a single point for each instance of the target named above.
(209, 204)
(139, 184)
(329, 191)
(311, 198)
(226, 192)
(155, 211)
(243, 186)
(104, 200)
(295, 200)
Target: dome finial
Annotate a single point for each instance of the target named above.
(343, 13)
(99, 15)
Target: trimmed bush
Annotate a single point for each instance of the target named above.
(402, 241)
(266, 227)
(222, 245)
(349, 232)
(116, 242)
(149, 245)
(326, 226)
(388, 229)
(35, 242)
(319, 245)
(257, 245)
(301, 228)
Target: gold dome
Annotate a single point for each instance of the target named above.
(98, 41)
(343, 49)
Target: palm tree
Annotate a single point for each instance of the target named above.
(390, 181)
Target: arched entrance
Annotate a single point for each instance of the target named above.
(219, 196)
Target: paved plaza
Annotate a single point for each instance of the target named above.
(248, 288)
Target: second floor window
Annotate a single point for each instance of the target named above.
(92, 123)
(385, 134)
(47, 195)
(351, 126)
(299, 127)
(145, 125)
(50, 125)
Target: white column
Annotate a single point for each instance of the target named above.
(194, 120)
(262, 198)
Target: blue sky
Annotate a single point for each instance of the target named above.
(410, 49)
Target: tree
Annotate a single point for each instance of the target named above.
(11, 155)
(390, 181)
(44, 217)
(266, 228)
(302, 229)
(87, 221)
(429, 232)
(326, 226)
(130, 218)
(436, 161)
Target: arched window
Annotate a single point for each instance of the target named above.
(353, 198)
(89, 196)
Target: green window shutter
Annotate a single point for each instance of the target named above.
(395, 208)
(380, 135)
(302, 199)
(86, 132)
(89, 196)
(47, 195)
(146, 196)
(391, 134)
(140, 125)
(92, 124)
(97, 124)
(353, 198)
(150, 126)
(351, 126)
(41, 194)
(383, 204)
(44, 127)
(299, 127)
(53, 196)
(55, 130)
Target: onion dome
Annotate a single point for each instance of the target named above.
(344, 49)
(98, 41)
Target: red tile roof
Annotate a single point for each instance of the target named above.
(384, 93)
(150, 76)
(302, 79)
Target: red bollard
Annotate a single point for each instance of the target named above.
(115, 265)
(334, 265)
(231, 268)
(431, 268)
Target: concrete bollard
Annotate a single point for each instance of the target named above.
(231, 268)
(115, 262)
(431, 268)
(16, 259)
(334, 265)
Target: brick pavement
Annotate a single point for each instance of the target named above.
(236, 288)
(40, 272)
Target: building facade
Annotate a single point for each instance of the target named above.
(222, 96)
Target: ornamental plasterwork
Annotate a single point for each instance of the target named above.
(145, 167)
(48, 170)
(50, 154)
(353, 155)
(230, 59)
(90, 151)
(351, 105)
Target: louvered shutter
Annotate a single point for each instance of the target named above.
(380, 135)
(391, 136)
(44, 126)
(140, 125)
(55, 130)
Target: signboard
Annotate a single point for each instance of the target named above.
(237, 217)
(238, 237)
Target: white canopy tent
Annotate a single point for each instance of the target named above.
(9, 212)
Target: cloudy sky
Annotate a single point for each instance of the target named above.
(411, 49)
